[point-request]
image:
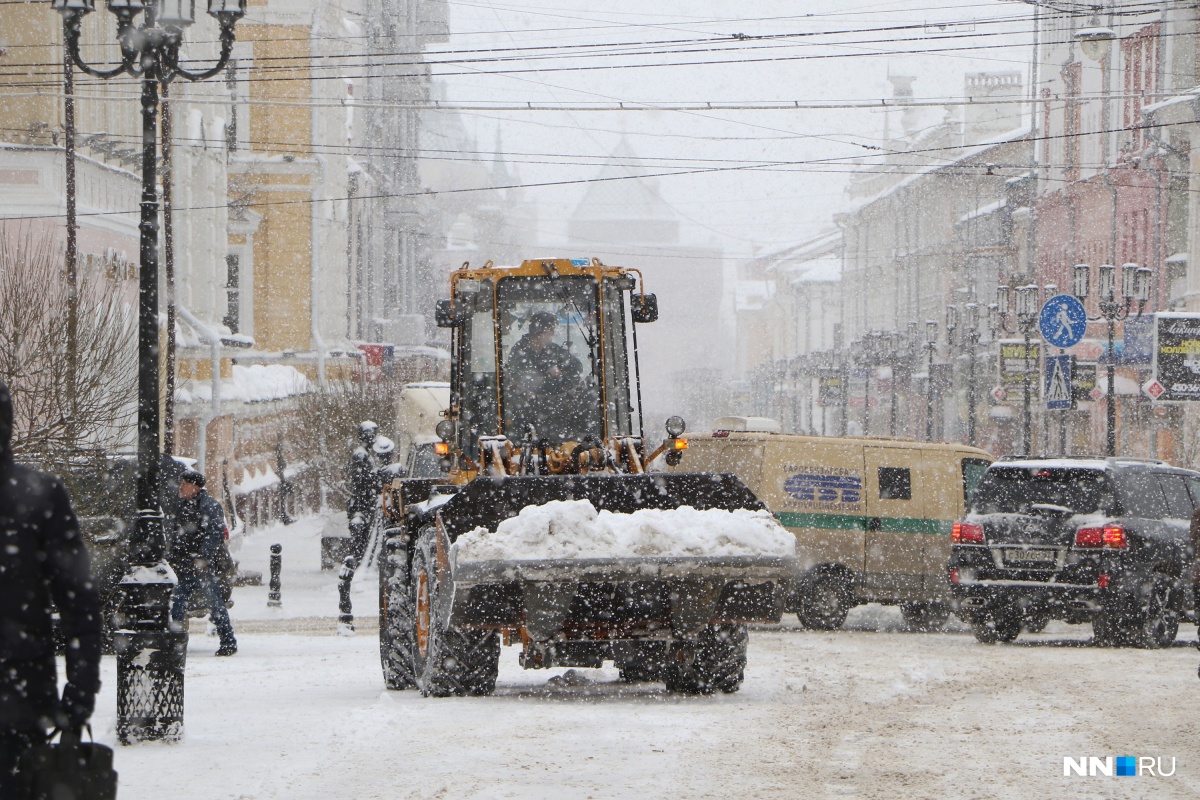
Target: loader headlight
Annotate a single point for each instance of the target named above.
(675, 427)
(445, 430)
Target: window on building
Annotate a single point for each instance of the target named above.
(1072, 112)
(1139, 56)
(232, 297)
(895, 483)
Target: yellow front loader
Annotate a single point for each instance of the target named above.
(545, 406)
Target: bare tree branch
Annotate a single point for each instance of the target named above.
(52, 424)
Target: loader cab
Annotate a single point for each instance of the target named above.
(540, 353)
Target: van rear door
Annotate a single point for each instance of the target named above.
(912, 495)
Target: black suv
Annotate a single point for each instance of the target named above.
(1094, 540)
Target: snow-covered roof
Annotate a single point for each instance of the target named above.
(983, 212)
(796, 255)
(753, 295)
(972, 151)
(827, 269)
(255, 383)
(622, 190)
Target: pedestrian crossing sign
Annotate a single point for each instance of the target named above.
(1056, 390)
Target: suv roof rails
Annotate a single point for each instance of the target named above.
(1136, 460)
(1054, 458)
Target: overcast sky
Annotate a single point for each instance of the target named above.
(738, 208)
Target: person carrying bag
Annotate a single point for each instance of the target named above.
(44, 567)
(67, 770)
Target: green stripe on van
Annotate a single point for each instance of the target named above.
(855, 522)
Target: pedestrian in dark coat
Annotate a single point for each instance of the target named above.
(362, 486)
(43, 563)
(194, 553)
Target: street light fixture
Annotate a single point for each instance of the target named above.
(1135, 285)
(1027, 308)
(150, 654)
(1095, 40)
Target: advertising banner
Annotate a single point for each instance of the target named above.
(1177, 356)
(1017, 366)
(1138, 340)
(829, 387)
(1083, 381)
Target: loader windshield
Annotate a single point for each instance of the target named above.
(551, 369)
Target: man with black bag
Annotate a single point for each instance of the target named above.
(44, 565)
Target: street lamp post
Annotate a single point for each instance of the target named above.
(150, 651)
(951, 337)
(895, 347)
(1135, 285)
(931, 335)
(1027, 313)
(868, 352)
(972, 343)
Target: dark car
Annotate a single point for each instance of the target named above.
(1078, 539)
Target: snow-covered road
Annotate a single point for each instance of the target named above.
(871, 712)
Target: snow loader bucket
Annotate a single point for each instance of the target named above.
(488, 501)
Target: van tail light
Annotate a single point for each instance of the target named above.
(966, 533)
(1110, 536)
(1102, 581)
(954, 576)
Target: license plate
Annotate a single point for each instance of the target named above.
(1029, 556)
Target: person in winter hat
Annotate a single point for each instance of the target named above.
(195, 551)
(362, 486)
(43, 564)
(544, 384)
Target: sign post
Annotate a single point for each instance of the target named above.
(1063, 322)
(1056, 389)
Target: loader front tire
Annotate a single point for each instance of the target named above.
(397, 639)
(719, 663)
(448, 661)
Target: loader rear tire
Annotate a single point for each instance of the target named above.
(719, 665)
(448, 661)
(397, 639)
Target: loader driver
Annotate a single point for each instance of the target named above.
(544, 383)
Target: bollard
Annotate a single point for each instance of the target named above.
(346, 620)
(276, 565)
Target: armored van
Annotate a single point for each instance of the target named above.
(872, 517)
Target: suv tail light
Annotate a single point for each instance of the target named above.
(966, 533)
(1111, 536)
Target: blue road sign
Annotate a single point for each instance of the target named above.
(1057, 387)
(1063, 320)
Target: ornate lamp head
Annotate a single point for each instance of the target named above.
(227, 10)
(176, 14)
(73, 10)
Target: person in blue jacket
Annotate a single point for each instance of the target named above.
(195, 552)
(44, 566)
